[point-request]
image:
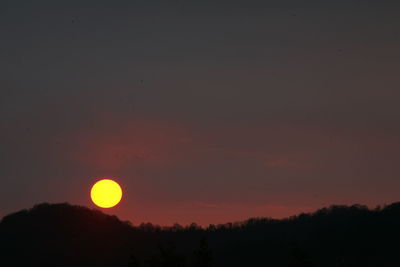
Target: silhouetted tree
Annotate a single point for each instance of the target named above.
(168, 257)
(134, 261)
(203, 255)
(193, 227)
(298, 258)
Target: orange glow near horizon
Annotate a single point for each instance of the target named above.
(106, 193)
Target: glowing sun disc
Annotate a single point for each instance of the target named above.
(106, 193)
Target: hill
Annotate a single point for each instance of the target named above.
(66, 235)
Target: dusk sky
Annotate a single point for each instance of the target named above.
(204, 111)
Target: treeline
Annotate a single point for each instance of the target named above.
(65, 235)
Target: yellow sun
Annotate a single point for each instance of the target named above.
(106, 193)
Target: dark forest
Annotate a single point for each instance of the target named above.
(66, 235)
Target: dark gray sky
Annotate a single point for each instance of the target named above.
(206, 111)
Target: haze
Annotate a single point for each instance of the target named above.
(204, 111)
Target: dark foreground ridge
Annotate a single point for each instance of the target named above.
(66, 235)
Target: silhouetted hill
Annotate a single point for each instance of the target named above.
(61, 235)
(66, 235)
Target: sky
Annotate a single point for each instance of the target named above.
(204, 111)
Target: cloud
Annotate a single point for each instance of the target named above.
(205, 204)
(205, 213)
(139, 143)
(286, 163)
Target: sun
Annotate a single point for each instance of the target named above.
(106, 193)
